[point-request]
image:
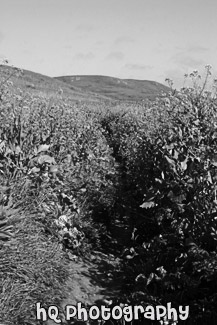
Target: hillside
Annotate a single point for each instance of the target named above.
(39, 84)
(115, 88)
(84, 88)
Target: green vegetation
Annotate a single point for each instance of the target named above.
(150, 167)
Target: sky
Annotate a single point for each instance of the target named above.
(139, 39)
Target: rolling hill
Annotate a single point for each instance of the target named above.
(41, 85)
(84, 88)
(115, 88)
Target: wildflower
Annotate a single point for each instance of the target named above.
(169, 81)
(10, 83)
(208, 66)
(207, 93)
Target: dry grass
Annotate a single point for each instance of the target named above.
(32, 269)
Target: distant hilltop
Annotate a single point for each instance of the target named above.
(116, 88)
(86, 87)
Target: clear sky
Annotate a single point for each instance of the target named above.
(141, 39)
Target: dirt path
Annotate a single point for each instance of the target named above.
(95, 279)
(91, 281)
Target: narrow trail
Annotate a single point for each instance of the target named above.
(93, 280)
(99, 277)
(96, 278)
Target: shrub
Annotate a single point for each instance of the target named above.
(169, 152)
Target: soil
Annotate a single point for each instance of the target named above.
(95, 280)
